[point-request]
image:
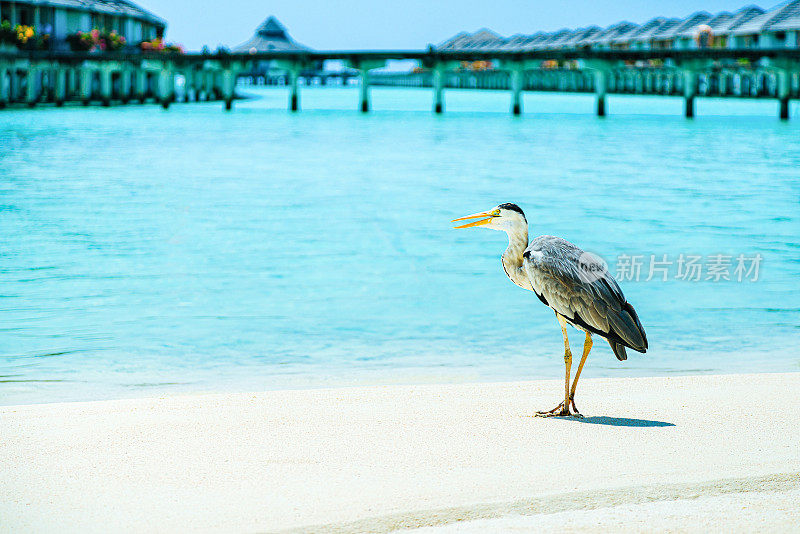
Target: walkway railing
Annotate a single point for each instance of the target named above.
(33, 77)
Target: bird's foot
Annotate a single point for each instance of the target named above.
(575, 411)
(558, 408)
(561, 410)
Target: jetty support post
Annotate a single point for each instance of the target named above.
(294, 95)
(105, 85)
(205, 84)
(60, 85)
(689, 92)
(31, 82)
(73, 81)
(783, 69)
(140, 84)
(601, 70)
(600, 88)
(363, 91)
(363, 67)
(188, 84)
(86, 73)
(292, 69)
(722, 82)
(166, 85)
(690, 69)
(439, 72)
(125, 84)
(211, 85)
(229, 86)
(438, 88)
(197, 83)
(515, 84)
(5, 86)
(784, 88)
(516, 81)
(13, 83)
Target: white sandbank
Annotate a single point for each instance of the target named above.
(678, 453)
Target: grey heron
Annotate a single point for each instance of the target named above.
(574, 283)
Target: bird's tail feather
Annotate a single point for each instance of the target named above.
(619, 350)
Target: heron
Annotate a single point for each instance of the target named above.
(575, 284)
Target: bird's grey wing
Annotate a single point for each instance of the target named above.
(578, 286)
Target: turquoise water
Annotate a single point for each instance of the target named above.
(148, 252)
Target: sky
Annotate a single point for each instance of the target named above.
(410, 24)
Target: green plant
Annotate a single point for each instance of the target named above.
(7, 33)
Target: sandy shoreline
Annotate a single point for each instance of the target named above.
(388, 457)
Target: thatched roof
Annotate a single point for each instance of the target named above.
(750, 19)
(781, 18)
(270, 35)
(110, 7)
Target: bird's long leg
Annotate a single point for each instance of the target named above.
(587, 346)
(563, 408)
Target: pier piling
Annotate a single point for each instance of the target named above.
(292, 70)
(105, 86)
(228, 86)
(188, 85)
(784, 80)
(208, 88)
(86, 85)
(363, 68)
(691, 68)
(601, 70)
(140, 84)
(4, 86)
(784, 109)
(125, 85)
(438, 89)
(294, 91)
(516, 89)
(14, 86)
(31, 89)
(600, 87)
(60, 86)
(364, 91)
(166, 82)
(689, 91)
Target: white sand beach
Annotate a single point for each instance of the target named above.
(681, 453)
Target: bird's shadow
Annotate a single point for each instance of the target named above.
(617, 421)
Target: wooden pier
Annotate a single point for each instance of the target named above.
(31, 78)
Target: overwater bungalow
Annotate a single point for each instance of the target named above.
(750, 27)
(577, 39)
(270, 35)
(60, 18)
(661, 36)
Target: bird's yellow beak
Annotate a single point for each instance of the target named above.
(484, 216)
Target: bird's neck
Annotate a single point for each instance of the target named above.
(512, 257)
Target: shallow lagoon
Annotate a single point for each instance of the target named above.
(148, 252)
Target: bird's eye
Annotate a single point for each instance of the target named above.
(496, 213)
